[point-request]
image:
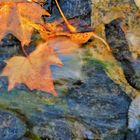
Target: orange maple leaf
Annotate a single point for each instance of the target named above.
(34, 70)
(78, 38)
(16, 17)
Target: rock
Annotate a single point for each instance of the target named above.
(88, 135)
(3, 83)
(64, 130)
(55, 129)
(11, 127)
(133, 114)
(80, 132)
(9, 41)
(48, 5)
(24, 138)
(92, 108)
(137, 3)
(133, 135)
(98, 103)
(120, 48)
(72, 9)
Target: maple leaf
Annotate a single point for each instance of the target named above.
(34, 70)
(16, 17)
(78, 38)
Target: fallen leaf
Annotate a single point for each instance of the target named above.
(78, 38)
(16, 17)
(33, 71)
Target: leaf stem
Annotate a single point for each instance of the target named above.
(70, 27)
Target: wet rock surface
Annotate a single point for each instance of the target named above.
(11, 127)
(120, 48)
(104, 114)
(55, 129)
(72, 9)
(93, 104)
(92, 108)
